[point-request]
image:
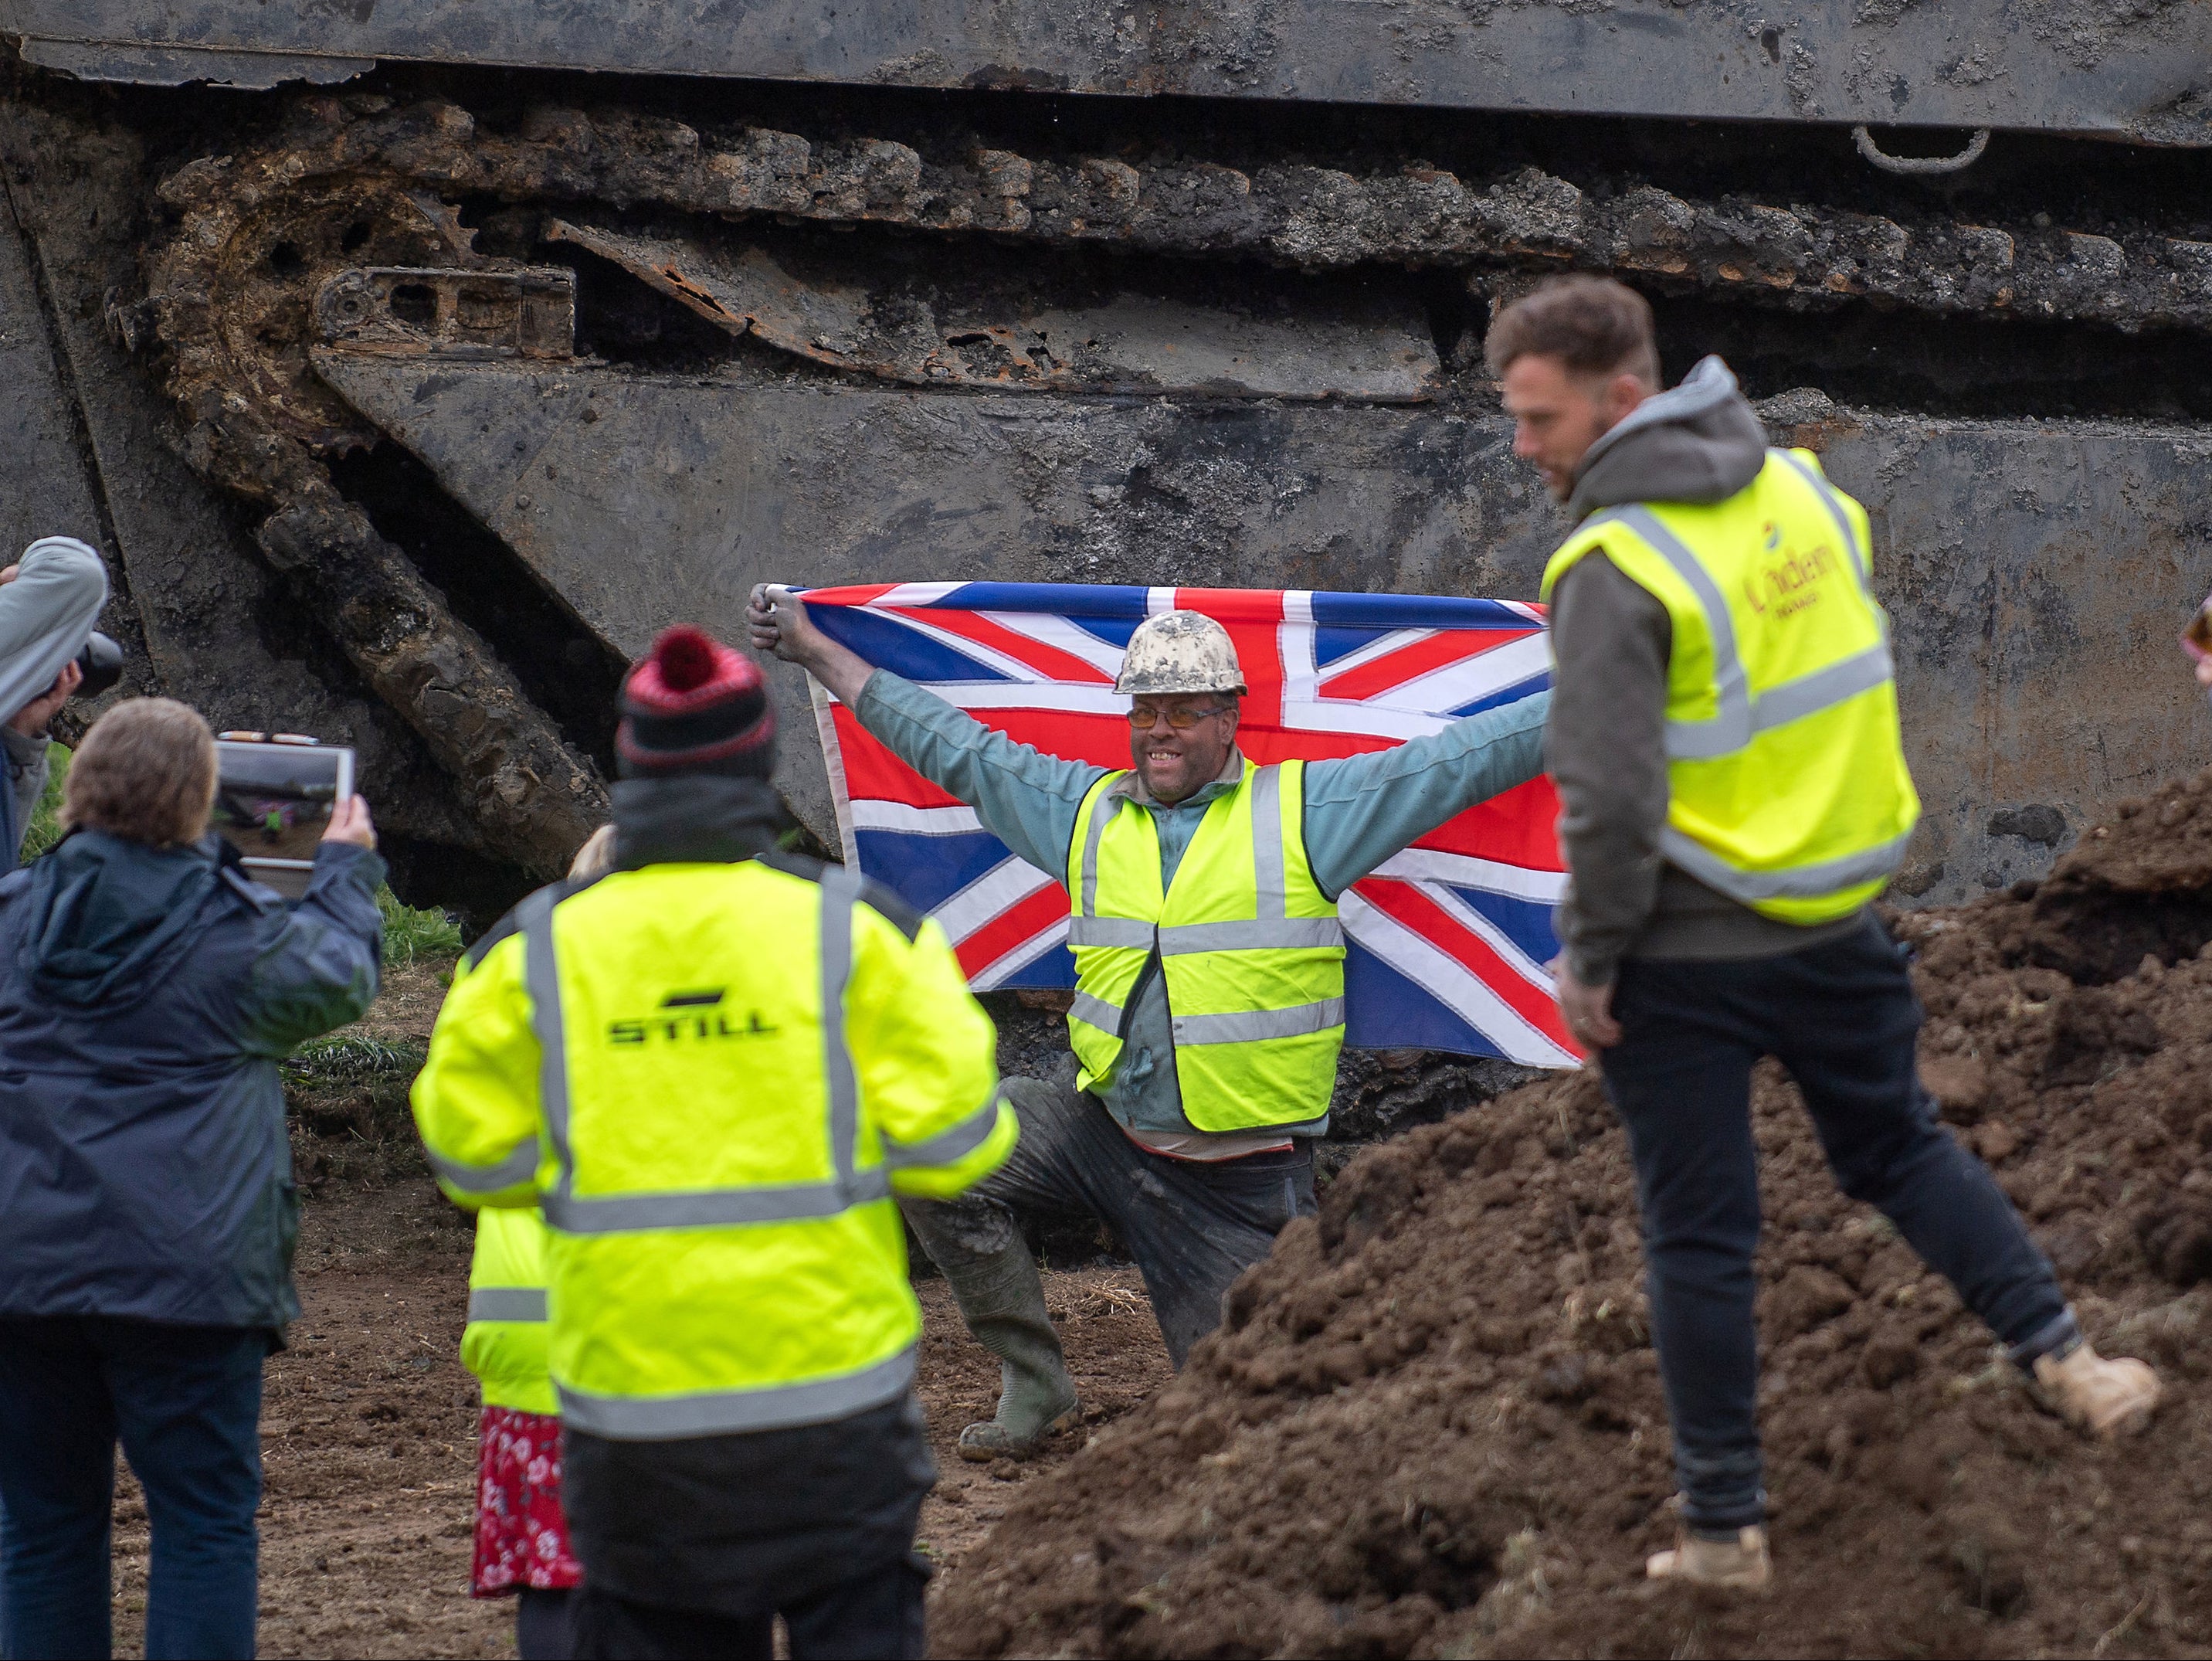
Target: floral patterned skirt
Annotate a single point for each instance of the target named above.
(522, 1538)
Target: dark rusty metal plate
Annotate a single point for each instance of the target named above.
(2057, 65)
(2025, 562)
(1369, 341)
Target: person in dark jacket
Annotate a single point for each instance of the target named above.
(148, 990)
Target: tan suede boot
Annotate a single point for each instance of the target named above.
(1737, 1565)
(2106, 1398)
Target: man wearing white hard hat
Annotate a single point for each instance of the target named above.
(1209, 1007)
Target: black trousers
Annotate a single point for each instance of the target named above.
(1192, 1227)
(878, 1614)
(1841, 1018)
(693, 1546)
(545, 1623)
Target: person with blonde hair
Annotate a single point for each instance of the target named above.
(147, 991)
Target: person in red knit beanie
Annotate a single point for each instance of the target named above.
(693, 705)
(713, 1067)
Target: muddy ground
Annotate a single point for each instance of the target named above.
(1432, 1426)
(369, 1420)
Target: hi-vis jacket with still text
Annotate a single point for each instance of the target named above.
(1249, 946)
(714, 1077)
(504, 1342)
(1788, 785)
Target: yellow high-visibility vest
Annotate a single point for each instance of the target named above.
(1788, 786)
(714, 1077)
(504, 1342)
(1250, 949)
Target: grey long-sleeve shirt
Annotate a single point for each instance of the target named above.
(1359, 810)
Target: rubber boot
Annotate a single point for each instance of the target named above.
(1738, 1564)
(1002, 1300)
(2108, 1398)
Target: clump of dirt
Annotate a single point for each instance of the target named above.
(1431, 1422)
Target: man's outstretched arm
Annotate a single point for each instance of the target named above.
(1362, 809)
(1025, 798)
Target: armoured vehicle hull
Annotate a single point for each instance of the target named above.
(2074, 66)
(406, 411)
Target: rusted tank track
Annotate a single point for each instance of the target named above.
(354, 181)
(256, 422)
(1799, 256)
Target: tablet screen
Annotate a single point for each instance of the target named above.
(273, 801)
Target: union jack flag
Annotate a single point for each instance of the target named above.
(1446, 942)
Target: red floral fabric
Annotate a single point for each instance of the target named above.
(522, 1538)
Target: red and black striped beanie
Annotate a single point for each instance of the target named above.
(693, 705)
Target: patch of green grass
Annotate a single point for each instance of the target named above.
(350, 1057)
(410, 934)
(46, 818)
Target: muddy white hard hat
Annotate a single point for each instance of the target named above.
(1180, 652)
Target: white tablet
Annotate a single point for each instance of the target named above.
(273, 799)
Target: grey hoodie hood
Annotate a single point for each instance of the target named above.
(1699, 442)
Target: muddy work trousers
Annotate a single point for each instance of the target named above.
(1843, 1019)
(1192, 1227)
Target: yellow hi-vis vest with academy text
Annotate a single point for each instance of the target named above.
(504, 1342)
(1250, 949)
(1785, 767)
(714, 1077)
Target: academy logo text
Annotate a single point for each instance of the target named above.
(1787, 582)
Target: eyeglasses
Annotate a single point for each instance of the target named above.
(1181, 720)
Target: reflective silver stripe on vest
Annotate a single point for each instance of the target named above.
(1796, 882)
(1730, 730)
(517, 1166)
(704, 1207)
(541, 979)
(1096, 1011)
(1250, 1025)
(1109, 804)
(1741, 716)
(1268, 842)
(1807, 694)
(721, 1412)
(714, 1207)
(507, 1304)
(946, 1146)
(1111, 931)
(1282, 933)
(1829, 500)
(840, 888)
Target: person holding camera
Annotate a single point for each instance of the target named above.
(49, 601)
(147, 991)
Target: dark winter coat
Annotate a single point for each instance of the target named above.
(146, 997)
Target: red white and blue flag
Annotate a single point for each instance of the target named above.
(1446, 942)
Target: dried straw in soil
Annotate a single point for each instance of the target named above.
(1432, 1424)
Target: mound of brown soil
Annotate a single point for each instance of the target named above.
(1432, 1424)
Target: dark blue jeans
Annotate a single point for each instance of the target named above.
(1841, 1018)
(185, 1402)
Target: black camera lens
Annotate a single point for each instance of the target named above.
(102, 665)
